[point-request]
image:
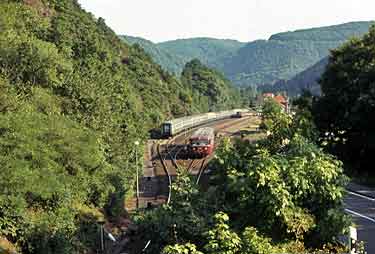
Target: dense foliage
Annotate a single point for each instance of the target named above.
(305, 80)
(209, 51)
(294, 186)
(209, 87)
(260, 62)
(282, 194)
(173, 55)
(287, 54)
(73, 99)
(167, 59)
(345, 111)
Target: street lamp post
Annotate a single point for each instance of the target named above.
(136, 143)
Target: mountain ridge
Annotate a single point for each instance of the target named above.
(260, 62)
(347, 25)
(305, 80)
(286, 54)
(171, 63)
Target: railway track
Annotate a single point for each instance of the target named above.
(169, 158)
(172, 164)
(162, 160)
(193, 163)
(201, 170)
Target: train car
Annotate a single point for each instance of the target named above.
(238, 114)
(175, 126)
(202, 142)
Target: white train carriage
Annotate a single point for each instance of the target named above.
(175, 126)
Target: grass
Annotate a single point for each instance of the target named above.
(252, 132)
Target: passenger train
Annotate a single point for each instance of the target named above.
(175, 126)
(202, 142)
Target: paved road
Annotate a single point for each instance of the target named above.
(360, 203)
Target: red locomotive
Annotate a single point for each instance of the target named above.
(202, 142)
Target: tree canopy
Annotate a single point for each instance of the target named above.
(213, 91)
(344, 112)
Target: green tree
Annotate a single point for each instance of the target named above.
(178, 222)
(342, 113)
(281, 184)
(51, 167)
(303, 121)
(32, 61)
(304, 101)
(212, 85)
(276, 123)
(253, 243)
(220, 239)
(181, 249)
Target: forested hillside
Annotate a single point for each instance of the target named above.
(173, 55)
(287, 54)
(73, 99)
(260, 62)
(306, 80)
(209, 87)
(328, 33)
(169, 61)
(208, 50)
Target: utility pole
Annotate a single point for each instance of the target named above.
(185, 115)
(102, 237)
(102, 247)
(136, 143)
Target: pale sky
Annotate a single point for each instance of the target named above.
(243, 20)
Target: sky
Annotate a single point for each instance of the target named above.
(243, 20)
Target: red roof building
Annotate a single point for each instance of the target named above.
(279, 99)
